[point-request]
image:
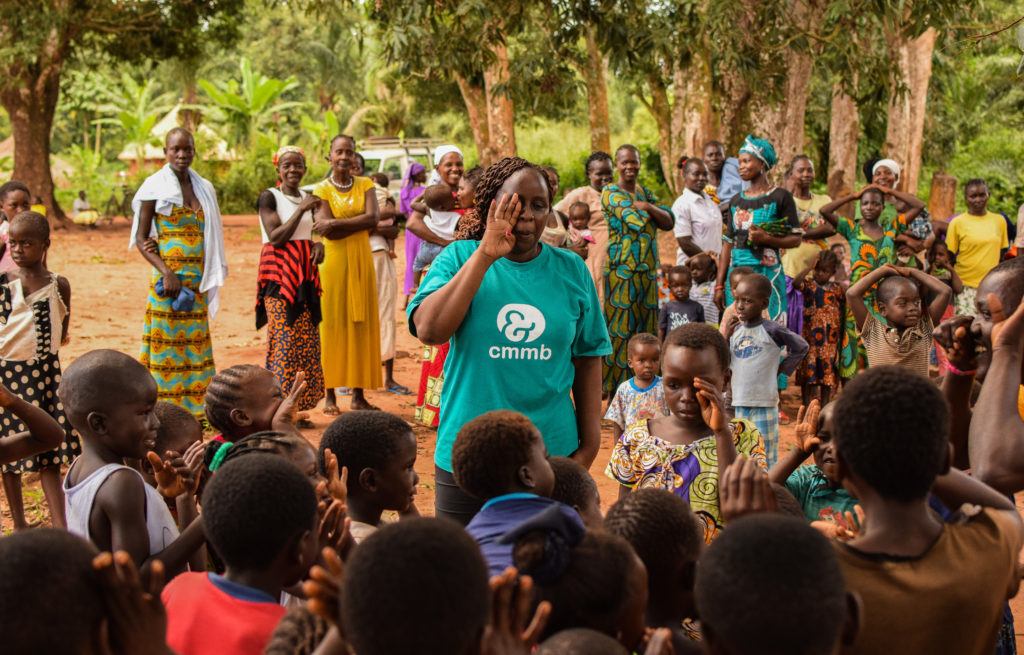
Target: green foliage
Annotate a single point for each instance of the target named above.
(244, 107)
(90, 173)
(135, 108)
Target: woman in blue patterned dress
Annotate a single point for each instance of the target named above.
(631, 290)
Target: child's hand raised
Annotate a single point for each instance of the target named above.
(174, 476)
(284, 417)
(508, 632)
(137, 620)
(323, 588)
(744, 489)
(712, 404)
(807, 427)
(957, 339)
(334, 531)
(334, 486)
(502, 216)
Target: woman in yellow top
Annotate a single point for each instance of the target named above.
(350, 330)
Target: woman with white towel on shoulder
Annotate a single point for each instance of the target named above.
(177, 228)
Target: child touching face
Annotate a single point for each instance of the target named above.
(905, 339)
(379, 451)
(680, 309)
(641, 397)
(757, 346)
(697, 440)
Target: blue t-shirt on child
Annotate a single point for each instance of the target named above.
(516, 345)
(500, 515)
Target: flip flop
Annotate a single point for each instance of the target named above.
(399, 390)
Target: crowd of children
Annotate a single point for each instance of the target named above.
(253, 540)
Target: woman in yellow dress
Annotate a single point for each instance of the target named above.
(350, 330)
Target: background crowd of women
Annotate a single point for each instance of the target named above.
(321, 274)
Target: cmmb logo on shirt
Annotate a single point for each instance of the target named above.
(520, 324)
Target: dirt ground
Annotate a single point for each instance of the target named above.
(109, 285)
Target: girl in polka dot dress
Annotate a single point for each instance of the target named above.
(34, 313)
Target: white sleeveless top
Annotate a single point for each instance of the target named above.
(286, 207)
(159, 523)
(22, 337)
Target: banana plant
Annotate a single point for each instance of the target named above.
(244, 107)
(135, 108)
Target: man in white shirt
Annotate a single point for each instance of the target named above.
(698, 220)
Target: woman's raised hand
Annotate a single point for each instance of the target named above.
(501, 218)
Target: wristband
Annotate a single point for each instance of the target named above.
(955, 371)
(719, 287)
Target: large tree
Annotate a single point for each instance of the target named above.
(38, 42)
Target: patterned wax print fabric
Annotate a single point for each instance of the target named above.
(640, 460)
(631, 290)
(866, 254)
(176, 346)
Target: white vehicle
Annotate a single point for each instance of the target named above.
(393, 156)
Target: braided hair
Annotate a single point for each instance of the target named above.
(473, 224)
(223, 395)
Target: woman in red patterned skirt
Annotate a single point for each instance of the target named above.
(288, 300)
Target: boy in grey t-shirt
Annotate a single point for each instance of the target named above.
(756, 345)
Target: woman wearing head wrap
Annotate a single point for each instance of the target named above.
(288, 296)
(412, 187)
(759, 223)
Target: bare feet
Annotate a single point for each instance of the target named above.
(331, 404)
(359, 400)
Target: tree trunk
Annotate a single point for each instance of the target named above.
(942, 202)
(693, 110)
(476, 109)
(798, 88)
(662, 114)
(897, 133)
(844, 130)
(597, 95)
(189, 118)
(501, 115)
(30, 103)
(735, 110)
(920, 52)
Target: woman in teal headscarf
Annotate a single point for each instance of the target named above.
(759, 223)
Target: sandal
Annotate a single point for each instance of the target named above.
(398, 389)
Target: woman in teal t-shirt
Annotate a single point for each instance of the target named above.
(524, 323)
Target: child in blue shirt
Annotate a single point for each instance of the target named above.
(500, 459)
(816, 486)
(641, 396)
(757, 345)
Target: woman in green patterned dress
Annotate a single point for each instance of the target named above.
(631, 290)
(177, 229)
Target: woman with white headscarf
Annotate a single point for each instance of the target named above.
(448, 169)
